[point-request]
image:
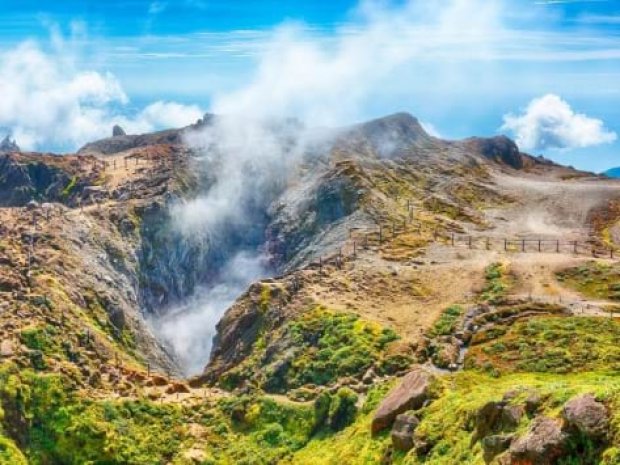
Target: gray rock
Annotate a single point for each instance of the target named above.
(402, 431)
(544, 443)
(587, 415)
(118, 131)
(533, 402)
(492, 446)
(8, 145)
(411, 394)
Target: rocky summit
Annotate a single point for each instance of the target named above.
(237, 292)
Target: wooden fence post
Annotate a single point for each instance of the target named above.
(452, 239)
(522, 245)
(557, 246)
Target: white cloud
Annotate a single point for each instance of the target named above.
(549, 122)
(161, 115)
(326, 81)
(430, 129)
(47, 103)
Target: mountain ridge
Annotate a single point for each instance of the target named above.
(478, 276)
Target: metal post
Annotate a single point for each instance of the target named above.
(575, 247)
(452, 239)
(557, 246)
(505, 245)
(539, 245)
(522, 245)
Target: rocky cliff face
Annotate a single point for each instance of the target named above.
(8, 145)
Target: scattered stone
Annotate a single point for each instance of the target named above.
(157, 380)
(511, 416)
(6, 348)
(494, 445)
(411, 394)
(543, 444)
(402, 431)
(587, 415)
(369, 376)
(533, 402)
(32, 205)
(178, 388)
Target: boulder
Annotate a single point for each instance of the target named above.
(494, 445)
(496, 417)
(533, 402)
(587, 415)
(178, 388)
(6, 348)
(543, 444)
(402, 431)
(411, 394)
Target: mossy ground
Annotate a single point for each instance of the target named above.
(53, 423)
(595, 279)
(550, 344)
(447, 424)
(324, 346)
(497, 282)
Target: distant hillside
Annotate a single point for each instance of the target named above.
(613, 172)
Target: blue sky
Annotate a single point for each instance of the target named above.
(203, 55)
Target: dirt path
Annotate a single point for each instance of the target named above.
(547, 207)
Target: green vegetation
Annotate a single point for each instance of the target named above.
(497, 282)
(66, 192)
(39, 338)
(335, 345)
(446, 425)
(447, 322)
(594, 279)
(352, 445)
(550, 344)
(63, 426)
(9, 453)
(321, 346)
